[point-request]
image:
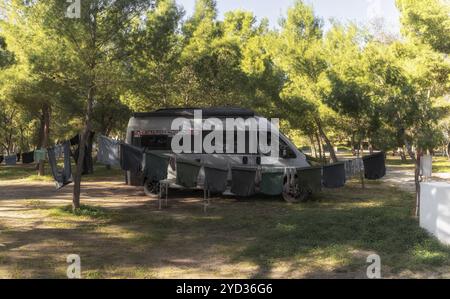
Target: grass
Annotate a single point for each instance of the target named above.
(83, 211)
(29, 173)
(329, 236)
(440, 164)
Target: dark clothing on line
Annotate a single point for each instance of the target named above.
(88, 164)
(155, 167)
(374, 166)
(11, 160)
(1, 159)
(243, 180)
(187, 173)
(131, 158)
(18, 158)
(62, 177)
(75, 140)
(310, 179)
(28, 158)
(333, 175)
(216, 178)
(272, 181)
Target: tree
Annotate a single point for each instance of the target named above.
(31, 82)
(92, 45)
(426, 22)
(154, 65)
(298, 52)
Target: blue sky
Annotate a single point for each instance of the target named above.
(360, 11)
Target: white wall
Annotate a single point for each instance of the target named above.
(435, 209)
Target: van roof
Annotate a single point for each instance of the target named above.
(189, 112)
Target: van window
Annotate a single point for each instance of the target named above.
(285, 151)
(153, 142)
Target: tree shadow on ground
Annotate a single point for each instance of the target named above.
(329, 236)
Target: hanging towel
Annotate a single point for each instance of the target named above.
(243, 180)
(272, 179)
(18, 157)
(1, 159)
(374, 166)
(333, 176)
(353, 168)
(62, 177)
(187, 173)
(88, 164)
(28, 158)
(155, 167)
(59, 151)
(11, 160)
(426, 163)
(131, 157)
(310, 179)
(40, 155)
(216, 178)
(108, 151)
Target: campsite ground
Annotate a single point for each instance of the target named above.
(121, 233)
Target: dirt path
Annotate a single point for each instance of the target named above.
(403, 178)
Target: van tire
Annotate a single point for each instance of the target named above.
(294, 193)
(151, 188)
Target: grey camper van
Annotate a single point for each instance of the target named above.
(153, 131)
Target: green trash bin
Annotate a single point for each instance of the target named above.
(272, 180)
(309, 179)
(187, 173)
(155, 167)
(243, 180)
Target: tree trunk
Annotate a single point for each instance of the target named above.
(448, 150)
(313, 146)
(83, 140)
(417, 181)
(409, 149)
(319, 143)
(45, 130)
(89, 107)
(327, 141)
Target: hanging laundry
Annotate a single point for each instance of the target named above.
(59, 151)
(108, 151)
(333, 176)
(243, 180)
(11, 160)
(310, 179)
(272, 179)
(187, 173)
(28, 158)
(88, 164)
(216, 178)
(62, 177)
(18, 157)
(353, 168)
(75, 140)
(1, 159)
(426, 166)
(155, 167)
(40, 155)
(131, 157)
(374, 166)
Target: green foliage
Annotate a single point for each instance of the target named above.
(342, 86)
(426, 22)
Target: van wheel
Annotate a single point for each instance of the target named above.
(294, 193)
(151, 188)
